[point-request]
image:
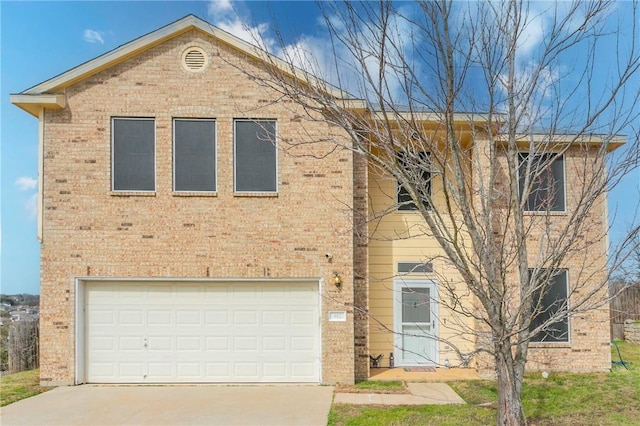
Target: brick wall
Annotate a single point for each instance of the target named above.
(361, 267)
(588, 345)
(88, 231)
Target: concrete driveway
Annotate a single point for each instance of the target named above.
(173, 405)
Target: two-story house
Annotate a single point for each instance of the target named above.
(185, 238)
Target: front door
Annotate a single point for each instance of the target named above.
(415, 322)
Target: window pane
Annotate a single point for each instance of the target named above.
(194, 155)
(133, 154)
(414, 267)
(415, 305)
(255, 156)
(552, 300)
(547, 183)
(418, 167)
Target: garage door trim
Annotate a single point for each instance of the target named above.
(81, 289)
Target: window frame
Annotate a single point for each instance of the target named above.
(419, 268)
(522, 158)
(410, 205)
(544, 337)
(215, 155)
(113, 156)
(236, 191)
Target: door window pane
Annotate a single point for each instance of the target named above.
(415, 305)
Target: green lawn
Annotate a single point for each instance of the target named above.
(562, 399)
(14, 387)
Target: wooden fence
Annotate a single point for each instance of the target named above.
(626, 306)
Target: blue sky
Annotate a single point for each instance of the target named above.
(42, 39)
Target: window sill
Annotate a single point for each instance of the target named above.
(545, 213)
(133, 193)
(256, 194)
(193, 194)
(416, 211)
(549, 345)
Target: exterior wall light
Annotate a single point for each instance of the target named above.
(337, 280)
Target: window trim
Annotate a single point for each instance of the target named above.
(564, 183)
(555, 343)
(235, 157)
(155, 157)
(428, 267)
(173, 157)
(404, 207)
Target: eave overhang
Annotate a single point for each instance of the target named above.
(33, 104)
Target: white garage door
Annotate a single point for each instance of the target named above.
(169, 332)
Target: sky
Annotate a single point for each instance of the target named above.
(39, 40)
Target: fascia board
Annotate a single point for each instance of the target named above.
(34, 103)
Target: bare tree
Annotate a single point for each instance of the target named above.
(22, 346)
(488, 186)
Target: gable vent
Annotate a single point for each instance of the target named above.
(194, 59)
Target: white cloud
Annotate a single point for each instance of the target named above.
(93, 36)
(217, 7)
(224, 15)
(254, 35)
(26, 183)
(31, 206)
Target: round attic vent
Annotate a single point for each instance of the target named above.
(194, 59)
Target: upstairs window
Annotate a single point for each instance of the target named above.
(419, 170)
(133, 154)
(546, 182)
(546, 305)
(255, 156)
(194, 155)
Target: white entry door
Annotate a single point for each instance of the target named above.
(415, 322)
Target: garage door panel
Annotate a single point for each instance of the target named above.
(274, 344)
(160, 343)
(130, 318)
(274, 318)
(202, 332)
(188, 318)
(300, 318)
(244, 371)
(159, 317)
(161, 370)
(100, 317)
(130, 370)
(218, 343)
(131, 343)
(218, 317)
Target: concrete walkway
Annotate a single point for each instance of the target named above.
(420, 394)
(173, 405)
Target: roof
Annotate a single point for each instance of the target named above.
(48, 94)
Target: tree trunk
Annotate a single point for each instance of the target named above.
(509, 376)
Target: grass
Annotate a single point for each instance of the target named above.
(14, 387)
(561, 399)
(374, 387)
